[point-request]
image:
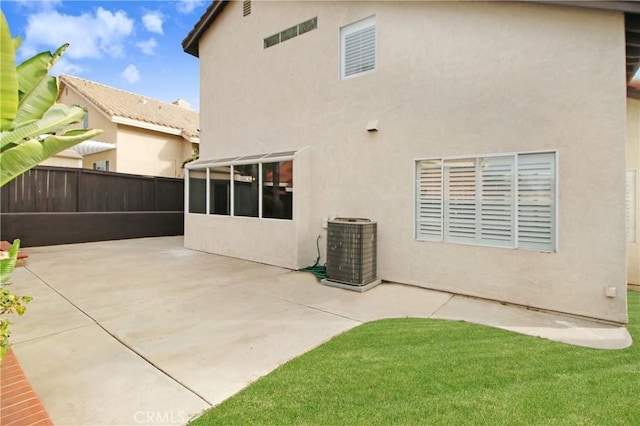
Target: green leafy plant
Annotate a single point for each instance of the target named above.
(29, 113)
(194, 156)
(9, 302)
(30, 119)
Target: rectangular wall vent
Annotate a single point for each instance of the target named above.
(292, 32)
(246, 7)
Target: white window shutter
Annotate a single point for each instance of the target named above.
(359, 48)
(496, 204)
(429, 200)
(460, 200)
(536, 201)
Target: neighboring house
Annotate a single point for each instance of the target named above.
(141, 135)
(66, 158)
(486, 139)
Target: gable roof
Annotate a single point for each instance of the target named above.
(136, 110)
(190, 43)
(630, 8)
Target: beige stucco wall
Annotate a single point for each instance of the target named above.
(110, 155)
(147, 152)
(97, 120)
(451, 79)
(633, 164)
(59, 161)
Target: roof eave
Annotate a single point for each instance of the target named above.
(145, 125)
(620, 6)
(190, 43)
(191, 139)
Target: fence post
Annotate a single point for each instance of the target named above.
(78, 192)
(155, 193)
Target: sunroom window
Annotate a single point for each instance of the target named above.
(251, 186)
(277, 190)
(197, 191)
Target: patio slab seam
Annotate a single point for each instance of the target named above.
(304, 305)
(112, 335)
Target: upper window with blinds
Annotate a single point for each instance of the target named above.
(498, 201)
(358, 48)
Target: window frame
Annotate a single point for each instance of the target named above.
(515, 201)
(101, 165)
(202, 166)
(346, 30)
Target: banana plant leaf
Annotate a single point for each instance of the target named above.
(8, 79)
(33, 70)
(8, 264)
(32, 152)
(56, 118)
(36, 101)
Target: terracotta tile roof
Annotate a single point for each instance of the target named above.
(120, 103)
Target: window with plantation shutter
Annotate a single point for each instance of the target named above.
(536, 195)
(358, 48)
(429, 200)
(498, 201)
(460, 200)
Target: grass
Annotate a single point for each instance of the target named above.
(418, 371)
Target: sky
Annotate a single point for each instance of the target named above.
(131, 45)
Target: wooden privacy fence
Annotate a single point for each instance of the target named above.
(55, 205)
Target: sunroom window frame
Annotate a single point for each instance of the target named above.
(259, 159)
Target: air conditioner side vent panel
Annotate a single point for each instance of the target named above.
(352, 251)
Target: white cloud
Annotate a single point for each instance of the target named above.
(89, 35)
(153, 22)
(148, 47)
(131, 74)
(187, 6)
(64, 66)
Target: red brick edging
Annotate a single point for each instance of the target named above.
(19, 404)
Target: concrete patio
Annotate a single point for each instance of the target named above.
(147, 332)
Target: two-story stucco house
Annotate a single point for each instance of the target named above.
(486, 139)
(141, 135)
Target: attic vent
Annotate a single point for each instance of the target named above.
(352, 254)
(246, 7)
(292, 32)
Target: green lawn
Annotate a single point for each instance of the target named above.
(418, 371)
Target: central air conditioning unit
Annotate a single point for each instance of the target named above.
(352, 254)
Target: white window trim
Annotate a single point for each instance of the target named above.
(349, 29)
(556, 221)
